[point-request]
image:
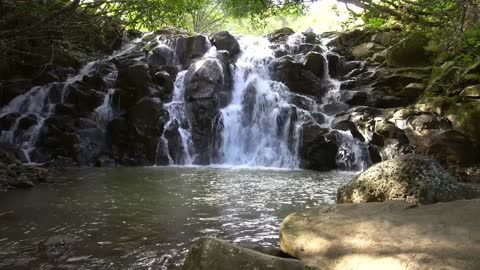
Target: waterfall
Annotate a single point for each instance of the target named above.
(105, 113)
(258, 122)
(178, 120)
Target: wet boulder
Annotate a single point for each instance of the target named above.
(316, 63)
(318, 148)
(162, 55)
(411, 178)
(225, 41)
(214, 254)
(280, 34)
(83, 98)
(166, 83)
(175, 145)
(27, 121)
(190, 48)
(146, 121)
(147, 117)
(297, 78)
(205, 92)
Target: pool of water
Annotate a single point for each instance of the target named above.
(147, 218)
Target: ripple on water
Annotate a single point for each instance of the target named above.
(146, 218)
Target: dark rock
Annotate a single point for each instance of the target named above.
(213, 254)
(335, 65)
(146, 125)
(206, 90)
(297, 79)
(413, 91)
(280, 34)
(316, 63)
(346, 125)
(163, 79)
(318, 149)
(410, 178)
(162, 55)
(409, 52)
(225, 41)
(27, 122)
(64, 109)
(354, 98)
(311, 38)
(83, 98)
(7, 121)
(190, 48)
(334, 108)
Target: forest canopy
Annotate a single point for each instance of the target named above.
(33, 31)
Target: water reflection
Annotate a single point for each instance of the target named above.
(146, 218)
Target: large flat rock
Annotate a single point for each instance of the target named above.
(390, 235)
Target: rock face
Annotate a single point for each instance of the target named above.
(319, 148)
(213, 254)
(409, 52)
(390, 235)
(207, 87)
(225, 41)
(410, 178)
(297, 77)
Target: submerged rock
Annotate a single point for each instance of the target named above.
(214, 254)
(410, 178)
(391, 235)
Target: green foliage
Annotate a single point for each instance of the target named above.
(375, 23)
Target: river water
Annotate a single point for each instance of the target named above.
(146, 218)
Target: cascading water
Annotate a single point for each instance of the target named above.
(352, 154)
(257, 123)
(261, 126)
(176, 110)
(105, 112)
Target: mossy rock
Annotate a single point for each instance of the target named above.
(463, 113)
(410, 52)
(465, 116)
(443, 79)
(280, 34)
